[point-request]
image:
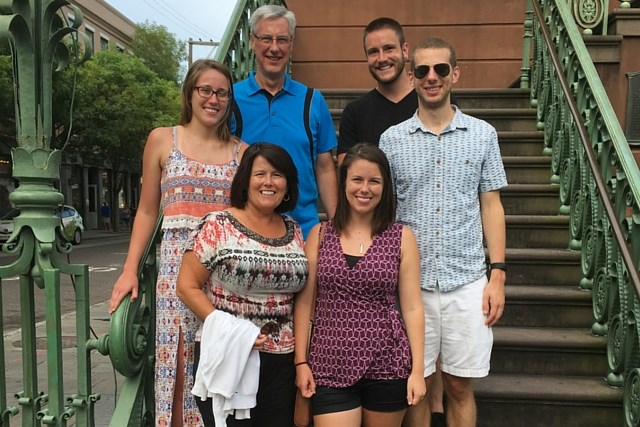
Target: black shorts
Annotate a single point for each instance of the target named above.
(372, 395)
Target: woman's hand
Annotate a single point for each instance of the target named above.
(416, 389)
(304, 380)
(126, 283)
(257, 345)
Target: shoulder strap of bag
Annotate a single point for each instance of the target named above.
(237, 115)
(323, 227)
(307, 124)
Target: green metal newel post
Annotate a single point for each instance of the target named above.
(36, 31)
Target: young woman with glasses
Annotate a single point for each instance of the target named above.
(187, 170)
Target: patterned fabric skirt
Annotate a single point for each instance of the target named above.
(173, 317)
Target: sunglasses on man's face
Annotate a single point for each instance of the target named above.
(421, 71)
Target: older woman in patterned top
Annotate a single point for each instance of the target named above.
(249, 261)
(365, 363)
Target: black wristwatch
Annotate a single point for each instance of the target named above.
(498, 266)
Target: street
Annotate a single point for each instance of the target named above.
(104, 255)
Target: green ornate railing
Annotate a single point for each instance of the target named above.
(39, 41)
(599, 184)
(131, 339)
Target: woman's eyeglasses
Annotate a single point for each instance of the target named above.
(207, 92)
(421, 71)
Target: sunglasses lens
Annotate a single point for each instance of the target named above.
(421, 71)
(442, 70)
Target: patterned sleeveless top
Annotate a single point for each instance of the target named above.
(191, 189)
(358, 331)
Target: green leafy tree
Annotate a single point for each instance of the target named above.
(159, 49)
(7, 106)
(118, 101)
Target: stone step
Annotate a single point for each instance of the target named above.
(465, 98)
(515, 143)
(527, 169)
(503, 119)
(530, 199)
(548, 351)
(543, 266)
(506, 119)
(544, 401)
(492, 98)
(546, 306)
(537, 231)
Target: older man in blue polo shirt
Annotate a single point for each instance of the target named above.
(447, 174)
(271, 107)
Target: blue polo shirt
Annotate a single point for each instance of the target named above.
(437, 179)
(280, 120)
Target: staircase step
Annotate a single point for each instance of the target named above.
(517, 143)
(537, 231)
(468, 99)
(560, 267)
(503, 119)
(465, 98)
(547, 351)
(541, 401)
(547, 306)
(506, 119)
(530, 199)
(527, 169)
(339, 98)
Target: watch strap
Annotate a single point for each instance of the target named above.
(498, 266)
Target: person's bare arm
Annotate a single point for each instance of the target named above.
(156, 151)
(493, 225)
(327, 181)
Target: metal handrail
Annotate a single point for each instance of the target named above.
(626, 158)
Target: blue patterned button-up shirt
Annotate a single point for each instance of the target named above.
(437, 180)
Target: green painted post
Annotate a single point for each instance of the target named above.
(36, 31)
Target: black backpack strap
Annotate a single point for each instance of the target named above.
(237, 115)
(307, 125)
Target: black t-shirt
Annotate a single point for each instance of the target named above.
(366, 118)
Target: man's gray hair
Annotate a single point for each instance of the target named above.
(273, 11)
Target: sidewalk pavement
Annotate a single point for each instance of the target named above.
(105, 380)
(102, 234)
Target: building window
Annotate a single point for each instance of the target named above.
(120, 48)
(90, 35)
(104, 43)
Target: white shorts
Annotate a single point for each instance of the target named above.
(455, 330)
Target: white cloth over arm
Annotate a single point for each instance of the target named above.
(229, 369)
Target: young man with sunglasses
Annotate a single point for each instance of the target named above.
(447, 173)
(272, 107)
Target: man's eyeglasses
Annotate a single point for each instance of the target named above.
(207, 92)
(267, 39)
(421, 71)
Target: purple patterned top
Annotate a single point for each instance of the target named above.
(359, 333)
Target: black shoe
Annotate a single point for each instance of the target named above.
(438, 419)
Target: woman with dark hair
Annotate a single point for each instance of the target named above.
(187, 170)
(365, 361)
(246, 263)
